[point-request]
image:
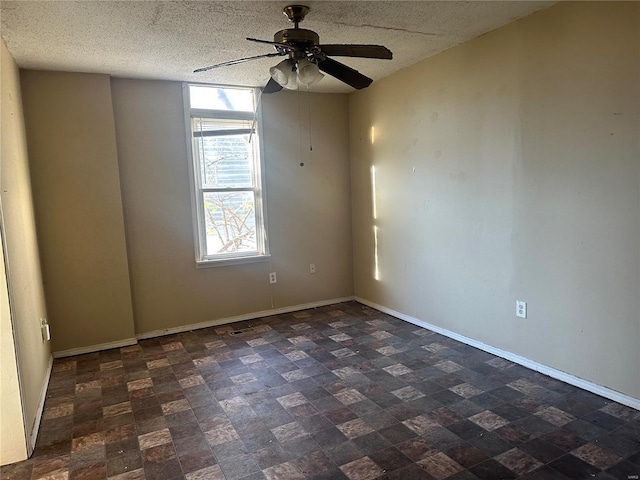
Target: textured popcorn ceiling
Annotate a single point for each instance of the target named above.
(168, 40)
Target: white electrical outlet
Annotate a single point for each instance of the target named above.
(273, 278)
(312, 268)
(521, 309)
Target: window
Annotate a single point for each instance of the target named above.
(227, 179)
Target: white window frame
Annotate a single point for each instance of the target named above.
(197, 190)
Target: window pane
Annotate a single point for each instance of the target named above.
(217, 98)
(225, 160)
(230, 222)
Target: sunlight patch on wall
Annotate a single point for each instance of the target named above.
(374, 203)
(376, 263)
(374, 212)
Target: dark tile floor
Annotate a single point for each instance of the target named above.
(331, 393)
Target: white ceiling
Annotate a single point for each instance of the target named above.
(169, 39)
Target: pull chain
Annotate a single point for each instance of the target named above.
(300, 125)
(309, 111)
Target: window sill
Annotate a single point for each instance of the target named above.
(224, 262)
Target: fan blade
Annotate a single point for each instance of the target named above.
(240, 60)
(275, 44)
(366, 51)
(343, 73)
(272, 86)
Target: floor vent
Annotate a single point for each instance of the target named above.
(240, 332)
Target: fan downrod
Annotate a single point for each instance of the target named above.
(299, 37)
(295, 13)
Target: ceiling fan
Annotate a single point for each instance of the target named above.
(306, 57)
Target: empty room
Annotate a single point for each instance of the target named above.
(335, 240)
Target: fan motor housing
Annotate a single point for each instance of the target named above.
(297, 36)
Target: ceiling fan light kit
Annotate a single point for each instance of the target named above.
(283, 72)
(307, 57)
(308, 72)
(289, 73)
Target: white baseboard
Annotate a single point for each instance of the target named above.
(33, 434)
(195, 326)
(95, 348)
(525, 362)
(241, 318)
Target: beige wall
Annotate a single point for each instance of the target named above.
(308, 214)
(308, 206)
(76, 187)
(25, 290)
(508, 169)
(120, 144)
(13, 444)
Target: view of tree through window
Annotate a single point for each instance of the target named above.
(227, 171)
